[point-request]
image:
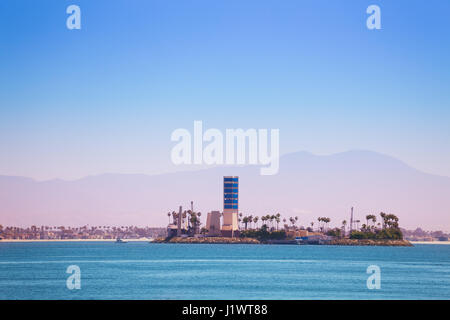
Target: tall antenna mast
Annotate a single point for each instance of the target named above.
(351, 221)
(180, 215)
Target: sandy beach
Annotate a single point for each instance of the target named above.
(430, 242)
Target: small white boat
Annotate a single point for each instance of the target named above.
(118, 240)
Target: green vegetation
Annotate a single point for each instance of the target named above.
(389, 231)
(336, 232)
(263, 234)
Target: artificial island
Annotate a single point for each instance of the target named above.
(231, 226)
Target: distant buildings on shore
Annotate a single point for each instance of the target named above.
(213, 224)
(85, 232)
(421, 235)
(186, 223)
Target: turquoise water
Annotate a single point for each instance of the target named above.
(139, 270)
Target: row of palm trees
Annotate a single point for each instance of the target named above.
(371, 225)
(388, 221)
(84, 232)
(272, 221)
(63, 228)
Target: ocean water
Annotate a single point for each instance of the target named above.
(140, 270)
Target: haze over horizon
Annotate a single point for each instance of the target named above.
(193, 168)
(307, 186)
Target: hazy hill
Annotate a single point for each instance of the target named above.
(307, 186)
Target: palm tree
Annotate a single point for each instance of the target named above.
(344, 223)
(168, 214)
(370, 217)
(374, 219)
(292, 220)
(193, 221)
(391, 221)
(174, 214)
(327, 221)
(320, 219)
(199, 214)
(286, 227)
(245, 221)
(255, 220)
(383, 217)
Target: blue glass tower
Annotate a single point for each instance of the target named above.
(230, 205)
(231, 193)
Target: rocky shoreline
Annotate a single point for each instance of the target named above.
(209, 240)
(335, 242)
(369, 242)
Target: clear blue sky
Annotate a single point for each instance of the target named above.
(107, 97)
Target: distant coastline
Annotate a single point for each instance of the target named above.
(430, 242)
(73, 240)
(148, 240)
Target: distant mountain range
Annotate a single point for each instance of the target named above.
(307, 186)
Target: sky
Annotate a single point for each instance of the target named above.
(106, 98)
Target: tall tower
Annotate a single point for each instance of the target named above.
(179, 218)
(351, 221)
(230, 205)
